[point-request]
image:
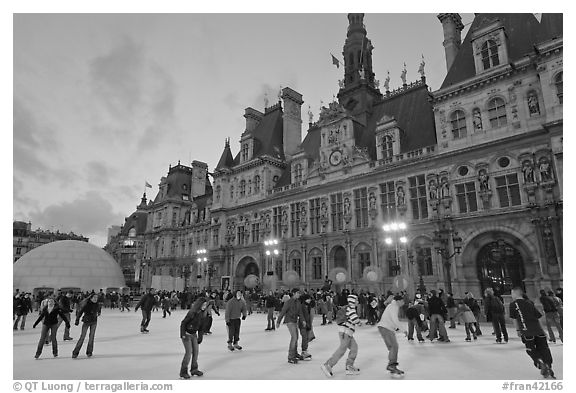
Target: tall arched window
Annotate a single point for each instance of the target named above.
(458, 121)
(231, 192)
(490, 54)
(242, 188)
(497, 112)
(387, 147)
(558, 81)
(256, 184)
(132, 232)
(218, 191)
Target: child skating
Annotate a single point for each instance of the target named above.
(388, 326)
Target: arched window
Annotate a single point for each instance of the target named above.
(132, 232)
(500, 266)
(497, 112)
(242, 188)
(256, 184)
(231, 192)
(558, 81)
(458, 121)
(490, 54)
(387, 147)
(298, 173)
(218, 191)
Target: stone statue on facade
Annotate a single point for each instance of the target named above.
(403, 75)
(387, 82)
(528, 171)
(400, 196)
(477, 120)
(483, 179)
(545, 170)
(533, 106)
(421, 68)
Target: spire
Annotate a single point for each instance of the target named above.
(142, 202)
(226, 160)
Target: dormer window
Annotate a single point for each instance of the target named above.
(245, 151)
(490, 54)
(497, 112)
(298, 173)
(458, 121)
(558, 81)
(387, 146)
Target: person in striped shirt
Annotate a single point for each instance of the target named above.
(346, 331)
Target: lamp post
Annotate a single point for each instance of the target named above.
(442, 239)
(201, 259)
(395, 234)
(421, 287)
(271, 251)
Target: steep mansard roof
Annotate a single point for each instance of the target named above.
(551, 26)
(522, 31)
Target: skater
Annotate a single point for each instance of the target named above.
(235, 307)
(166, 303)
(469, 319)
(50, 315)
(191, 334)
(23, 308)
(90, 310)
(270, 304)
(346, 331)
(494, 310)
(125, 302)
(473, 305)
(65, 303)
(388, 326)
(292, 309)
(552, 316)
(414, 322)
(209, 308)
(146, 303)
(526, 320)
(437, 311)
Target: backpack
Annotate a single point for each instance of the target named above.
(341, 316)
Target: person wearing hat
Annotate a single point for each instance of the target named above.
(346, 331)
(292, 310)
(437, 311)
(388, 326)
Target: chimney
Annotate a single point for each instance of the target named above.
(252, 117)
(291, 121)
(452, 26)
(199, 172)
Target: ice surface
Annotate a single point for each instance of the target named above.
(122, 352)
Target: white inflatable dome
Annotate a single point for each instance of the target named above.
(67, 264)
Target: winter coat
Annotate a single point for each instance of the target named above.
(389, 318)
(293, 312)
(548, 304)
(193, 322)
(352, 318)
(147, 302)
(90, 310)
(465, 313)
(492, 305)
(436, 306)
(51, 317)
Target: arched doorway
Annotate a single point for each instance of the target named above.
(245, 267)
(500, 266)
(251, 268)
(340, 257)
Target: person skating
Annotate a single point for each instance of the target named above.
(294, 314)
(65, 303)
(209, 308)
(166, 304)
(191, 334)
(270, 304)
(49, 315)
(346, 335)
(414, 321)
(146, 303)
(388, 326)
(235, 307)
(23, 307)
(526, 320)
(437, 311)
(552, 316)
(494, 310)
(91, 311)
(452, 309)
(469, 319)
(475, 308)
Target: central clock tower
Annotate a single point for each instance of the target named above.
(336, 137)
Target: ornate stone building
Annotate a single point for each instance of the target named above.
(473, 169)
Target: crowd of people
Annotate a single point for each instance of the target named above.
(425, 313)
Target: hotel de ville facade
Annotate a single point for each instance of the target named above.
(466, 179)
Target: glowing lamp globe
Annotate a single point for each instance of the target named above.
(251, 281)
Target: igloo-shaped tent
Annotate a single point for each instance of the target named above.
(67, 264)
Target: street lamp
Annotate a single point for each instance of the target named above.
(442, 239)
(201, 259)
(271, 251)
(395, 234)
(419, 261)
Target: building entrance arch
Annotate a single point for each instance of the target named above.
(500, 266)
(340, 257)
(245, 267)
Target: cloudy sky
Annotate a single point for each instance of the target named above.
(104, 102)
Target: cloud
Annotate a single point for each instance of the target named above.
(33, 143)
(89, 215)
(97, 172)
(136, 95)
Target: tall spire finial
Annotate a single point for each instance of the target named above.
(421, 69)
(310, 115)
(280, 94)
(387, 82)
(265, 100)
(403, 75)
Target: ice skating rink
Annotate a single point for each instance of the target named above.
(122, 352)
